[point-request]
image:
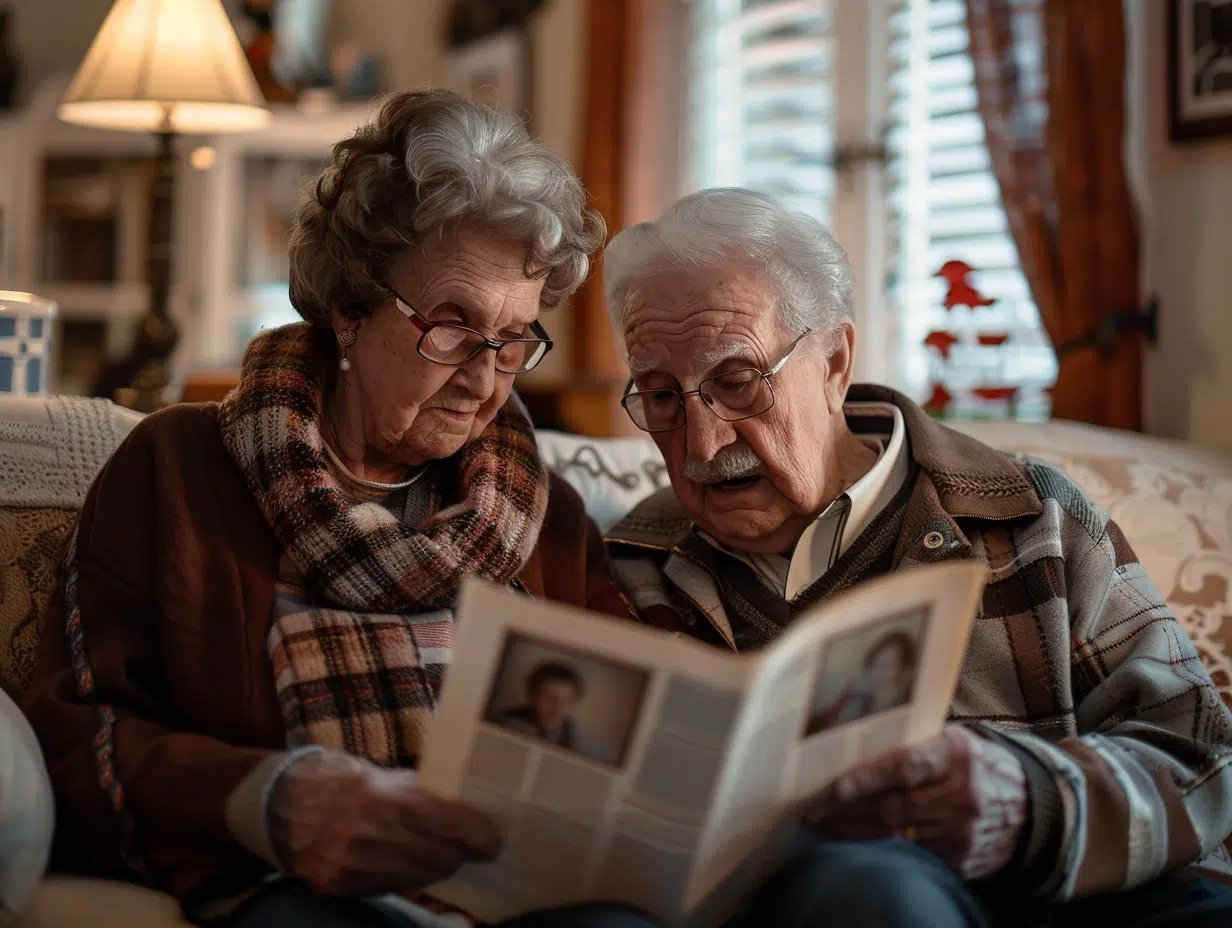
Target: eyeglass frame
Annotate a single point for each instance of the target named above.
(682, 395)
(426, 325)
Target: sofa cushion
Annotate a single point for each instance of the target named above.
(1174, 503)
(51, 448)
(611, 475)
(70, 902)
(31, 541)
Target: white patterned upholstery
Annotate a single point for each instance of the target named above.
(1174, 503)
(610, 474)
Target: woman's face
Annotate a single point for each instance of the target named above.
(885, 668)
(411, 409)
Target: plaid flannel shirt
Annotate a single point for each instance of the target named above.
(1075, 662)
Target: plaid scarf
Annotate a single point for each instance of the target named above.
(356, 670)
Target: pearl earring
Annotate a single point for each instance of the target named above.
(346, 338)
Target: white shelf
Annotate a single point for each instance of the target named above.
(206, 300)
(227, 307)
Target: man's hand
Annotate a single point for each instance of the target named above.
(960, 796)
(349, 827)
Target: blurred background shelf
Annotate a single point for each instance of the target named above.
(75, 207)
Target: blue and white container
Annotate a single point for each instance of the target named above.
(26, 322)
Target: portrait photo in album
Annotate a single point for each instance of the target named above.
(559, 696)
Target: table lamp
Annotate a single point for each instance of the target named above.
(166, 67)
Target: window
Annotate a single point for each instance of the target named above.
(764, 85)
(770, 82)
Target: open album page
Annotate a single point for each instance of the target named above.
(597, 744)
(868, 672)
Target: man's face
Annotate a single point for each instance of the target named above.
(553, 702)
(685, 326)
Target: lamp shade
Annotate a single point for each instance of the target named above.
(166, 65)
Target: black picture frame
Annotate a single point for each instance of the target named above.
(472, 20)
(1192, 118)
(497, 70)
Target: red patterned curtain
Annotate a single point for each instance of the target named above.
(1050, 76)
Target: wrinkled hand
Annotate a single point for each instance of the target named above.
(961, 796)
(349, 827)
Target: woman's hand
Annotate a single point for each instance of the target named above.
(349, 827)
(960, 796)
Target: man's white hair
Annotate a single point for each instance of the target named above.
(804, 262)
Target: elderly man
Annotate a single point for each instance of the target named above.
(1088, 758)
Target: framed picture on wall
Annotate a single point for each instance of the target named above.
(1200, 68)
(491, 70)
(477, 19)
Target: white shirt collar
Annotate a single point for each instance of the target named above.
(841, 523)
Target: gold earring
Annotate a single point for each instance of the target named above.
(346, 338)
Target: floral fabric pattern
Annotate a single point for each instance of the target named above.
(31, 543)
(1180, 524)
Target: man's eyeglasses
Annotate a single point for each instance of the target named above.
(454, 344)
(732, 396)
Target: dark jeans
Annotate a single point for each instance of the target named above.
(874, 884)
(895, 884)
(288, 904)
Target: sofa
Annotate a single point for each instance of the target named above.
(1173, 501)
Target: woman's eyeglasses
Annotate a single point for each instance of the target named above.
(735, 395)
(454, 344)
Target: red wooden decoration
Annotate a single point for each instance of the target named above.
(995, 393)
(961, 292)
(942, 341)
(939, 400)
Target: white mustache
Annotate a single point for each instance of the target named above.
(728, 464)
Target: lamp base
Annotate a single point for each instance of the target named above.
(142, 401)
(156, 334)
(140, 381)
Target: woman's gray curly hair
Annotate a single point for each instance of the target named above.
(431, 158)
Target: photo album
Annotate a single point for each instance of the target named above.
(628, 764)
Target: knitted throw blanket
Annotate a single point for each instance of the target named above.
(359, 671)
(52, 448)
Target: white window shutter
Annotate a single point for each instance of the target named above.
(762, 92)
(945, 205)
(762, 88)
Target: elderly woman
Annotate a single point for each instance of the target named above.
(884, 682)
(255, 615)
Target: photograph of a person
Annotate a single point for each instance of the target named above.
(573, 701)
(869, 671)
